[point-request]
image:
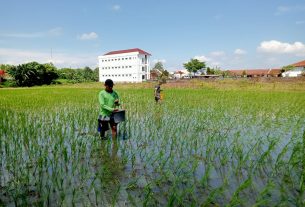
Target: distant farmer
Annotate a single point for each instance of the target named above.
(109, 102)
(157, 92)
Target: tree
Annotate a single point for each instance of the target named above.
(194, 65)
(96, 74)
(89, 74)
(287, 68)
(79, 75)
(244, 73)
(164, 76)
(159, 66)
(33, 73)
(4, 69)
(210, 71)
(49, 73)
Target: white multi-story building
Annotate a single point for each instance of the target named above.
(130, 65)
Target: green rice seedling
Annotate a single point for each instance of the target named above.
(195, 148)
(264, 196)
(211, 200)
(236, 200)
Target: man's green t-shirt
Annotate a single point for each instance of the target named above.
(106, 101)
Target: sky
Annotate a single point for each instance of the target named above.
(225, 34)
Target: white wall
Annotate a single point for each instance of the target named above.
(125, 67)
(292, 73)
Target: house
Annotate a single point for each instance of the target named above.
(255, 73)
(299, 68)
(154, 74)
(131, 65)
(181, 74)
(275, 72)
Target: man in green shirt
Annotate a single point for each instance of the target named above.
(109, 102)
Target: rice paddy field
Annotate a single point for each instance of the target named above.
(210, 143)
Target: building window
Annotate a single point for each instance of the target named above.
(143, 77)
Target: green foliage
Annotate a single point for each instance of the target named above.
(4, 68)
(287, 68)
(33, 73)
(164, 73)
(194, 65)
(8, 83)
(159, 66)
(209, 71)
(164, 76)
(78, 75)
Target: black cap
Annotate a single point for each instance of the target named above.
(109, 82)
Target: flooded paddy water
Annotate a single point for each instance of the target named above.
(200, 147)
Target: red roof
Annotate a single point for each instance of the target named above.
(256, 71)
(179, 72)
(128, 51)
(275, 71)
(299, 64)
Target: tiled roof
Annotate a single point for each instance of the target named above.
(299, 64)
(275, 71)
(128, 51)
(256, 71)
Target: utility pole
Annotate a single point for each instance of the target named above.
(51, 56)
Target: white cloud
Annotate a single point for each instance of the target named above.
(52, 32)
(19, 56)
(218, 53)
(282, 9)
(300, 22)
(23, 35)
(240, 52)
(116, 7)
(159, 60)
(211, 61)
(277, 47)
(88, 36)
(289, 9)
(55, 31)
(202, 58)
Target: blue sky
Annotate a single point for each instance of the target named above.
(229, 34)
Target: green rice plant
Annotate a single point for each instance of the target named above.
(205, 141)
(236, 200)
